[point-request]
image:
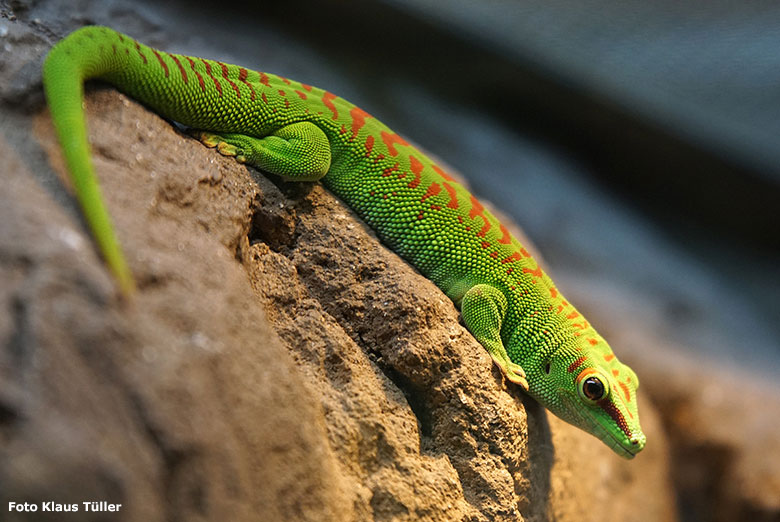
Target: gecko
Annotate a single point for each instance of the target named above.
(538, 339)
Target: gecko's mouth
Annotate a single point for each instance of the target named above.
(626, 447)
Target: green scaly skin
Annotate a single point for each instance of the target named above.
(300, 132)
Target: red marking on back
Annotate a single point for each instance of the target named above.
(609, 357)
(369, 145)
(560, 309)
(553, 292)
(514, 257)
(138, 48)
(484, 244)
(505, 237)
(494, 254)
(615, 372)
(262, 95)
(264, 79)
(573, 315)
(285, 80)
(301, 94)
(208, 71)
(391, 140)
(593, 342)
(225, 76)
(576, 364)
(358, 120)
(162, 62)
(327, 99)
(477, 210)
(307, 87)
(443, 174)
(453, 203)
(510, 270)
(389, 170)
(434, 189)
(343, 129)
(287, 103)
(200, 78)
(181, 68)
(536, 271)
(242, 75)
(417, 168)
(121, 38)
(113, 46)
(282, 93)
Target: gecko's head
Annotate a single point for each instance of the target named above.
(594, 392)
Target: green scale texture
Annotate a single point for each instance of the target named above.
(301, 132)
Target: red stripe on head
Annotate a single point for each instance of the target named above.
(613, 412)
(576, 364)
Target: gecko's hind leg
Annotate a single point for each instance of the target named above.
(299, 151)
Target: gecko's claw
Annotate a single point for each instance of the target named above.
(513, 372)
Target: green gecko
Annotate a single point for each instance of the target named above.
(537, 338)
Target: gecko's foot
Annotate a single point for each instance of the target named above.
(513, 372)
(211, 140)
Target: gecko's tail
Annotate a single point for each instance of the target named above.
(69, 63)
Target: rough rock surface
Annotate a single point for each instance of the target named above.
(277, 361)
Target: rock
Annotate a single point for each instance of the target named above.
(277, 362)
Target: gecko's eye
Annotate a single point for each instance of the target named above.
(591, 386)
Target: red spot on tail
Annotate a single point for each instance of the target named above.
(225, 76)
(358, 120)
(417, 168)
(181, 68)
(453, 203)
(327, 99)
(576, 364)
(369, 145)
(443, 174)
(162, 62)
(200, 78)
(208, 71)
(505, 238)
(138, 48)
(391, 140)
(242, 75)
(434, 189)
(536, 271)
